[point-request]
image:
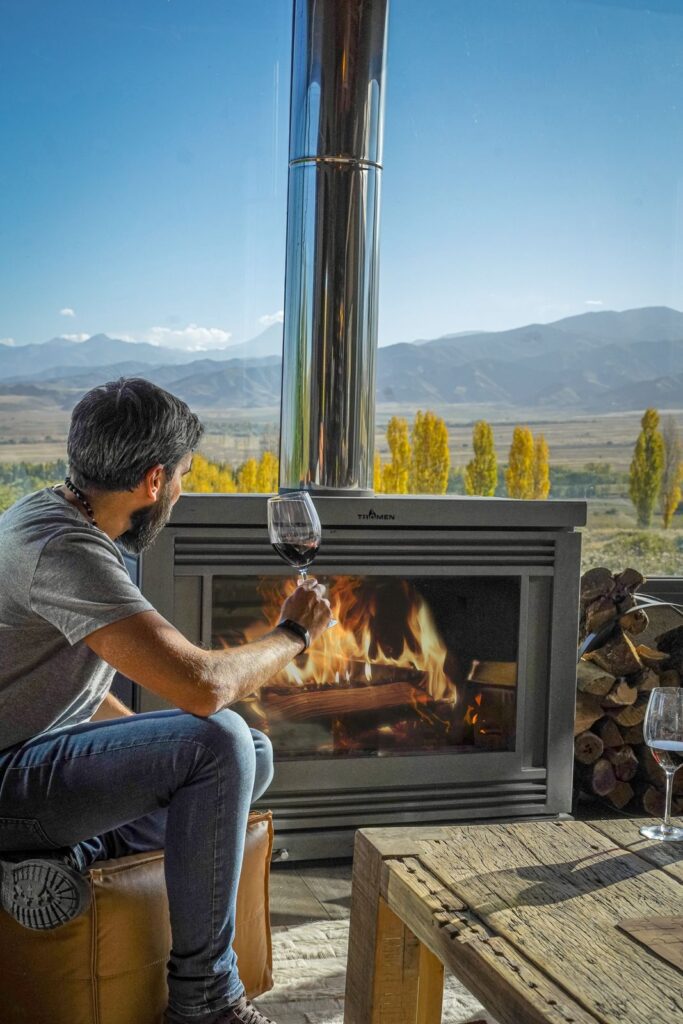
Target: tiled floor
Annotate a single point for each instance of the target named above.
(310, 915)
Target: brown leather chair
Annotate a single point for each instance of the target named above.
(108, 966)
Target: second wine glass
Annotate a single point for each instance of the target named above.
(663, 733)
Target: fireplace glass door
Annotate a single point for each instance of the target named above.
(418, 664)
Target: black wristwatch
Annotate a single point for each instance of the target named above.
(299, 631)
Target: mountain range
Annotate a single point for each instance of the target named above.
(594, 362)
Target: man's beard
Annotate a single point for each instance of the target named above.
(147, 523)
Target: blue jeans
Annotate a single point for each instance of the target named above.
(165, 779)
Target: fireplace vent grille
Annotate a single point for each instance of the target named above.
(426, 549)
(476, 800)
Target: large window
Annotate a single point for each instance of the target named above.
(531, 269)
(531, 240)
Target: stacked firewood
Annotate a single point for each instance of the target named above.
(614, 680)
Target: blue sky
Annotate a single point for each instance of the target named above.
(533, 155)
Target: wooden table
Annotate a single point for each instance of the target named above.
(524, 915)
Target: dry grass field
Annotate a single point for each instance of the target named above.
(31, 431)
(35, 431)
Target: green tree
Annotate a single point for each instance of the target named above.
(431, 457)
(541, 468)
(647, 467)
(519, 476)
(481, 472)
(673, 470)
(396, 473)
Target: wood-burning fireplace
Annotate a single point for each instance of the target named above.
(445, 692)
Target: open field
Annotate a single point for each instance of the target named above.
(31, 432)
(35, 432)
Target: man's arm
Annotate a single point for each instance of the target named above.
(111, 707)
(149, 650)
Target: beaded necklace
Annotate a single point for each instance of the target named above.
(82, 498)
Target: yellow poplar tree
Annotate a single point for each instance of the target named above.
(519, 476)
(673, 470)
(247, 478)
(267, 474)
(207, 477)
(541, 468)
(481, 472)
(396, 474)
(377, 474)
(647, 467)
(431, 457)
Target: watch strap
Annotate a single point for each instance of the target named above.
(297, 629)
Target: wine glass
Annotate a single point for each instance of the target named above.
(663, 733)
(294, 530)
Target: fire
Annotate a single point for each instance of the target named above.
(385, 632)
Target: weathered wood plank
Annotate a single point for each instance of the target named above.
(360, 973)
(430, 988)
(397, 971)
(624, 832)
(555, 890)
(511, 988)
(403, 841)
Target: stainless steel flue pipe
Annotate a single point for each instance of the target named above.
(331, 278)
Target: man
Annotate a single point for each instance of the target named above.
(182, 779)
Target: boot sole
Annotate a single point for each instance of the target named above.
(42, 894)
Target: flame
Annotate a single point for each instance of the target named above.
(381, 625)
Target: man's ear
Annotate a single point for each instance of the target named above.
(154, 480)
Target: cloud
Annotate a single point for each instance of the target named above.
(67, 311)
(593, 302)
(75, 337)
(268, 319)
(10, 342)
(192, 338)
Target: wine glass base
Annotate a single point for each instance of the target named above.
(671, 834)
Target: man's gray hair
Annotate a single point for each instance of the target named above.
(121, 429)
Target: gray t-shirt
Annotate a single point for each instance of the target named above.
(61, 578)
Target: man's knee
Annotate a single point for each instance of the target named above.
(263, 749)
(228, 737)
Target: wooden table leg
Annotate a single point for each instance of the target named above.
(391, 977)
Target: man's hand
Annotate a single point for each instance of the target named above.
(309, 607)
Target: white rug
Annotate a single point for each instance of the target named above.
(309, 962)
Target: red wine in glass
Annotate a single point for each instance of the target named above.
(299, 555)
(294, 530)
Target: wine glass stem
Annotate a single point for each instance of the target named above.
(303, 576)
(667, 799)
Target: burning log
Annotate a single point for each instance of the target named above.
(337, 701)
